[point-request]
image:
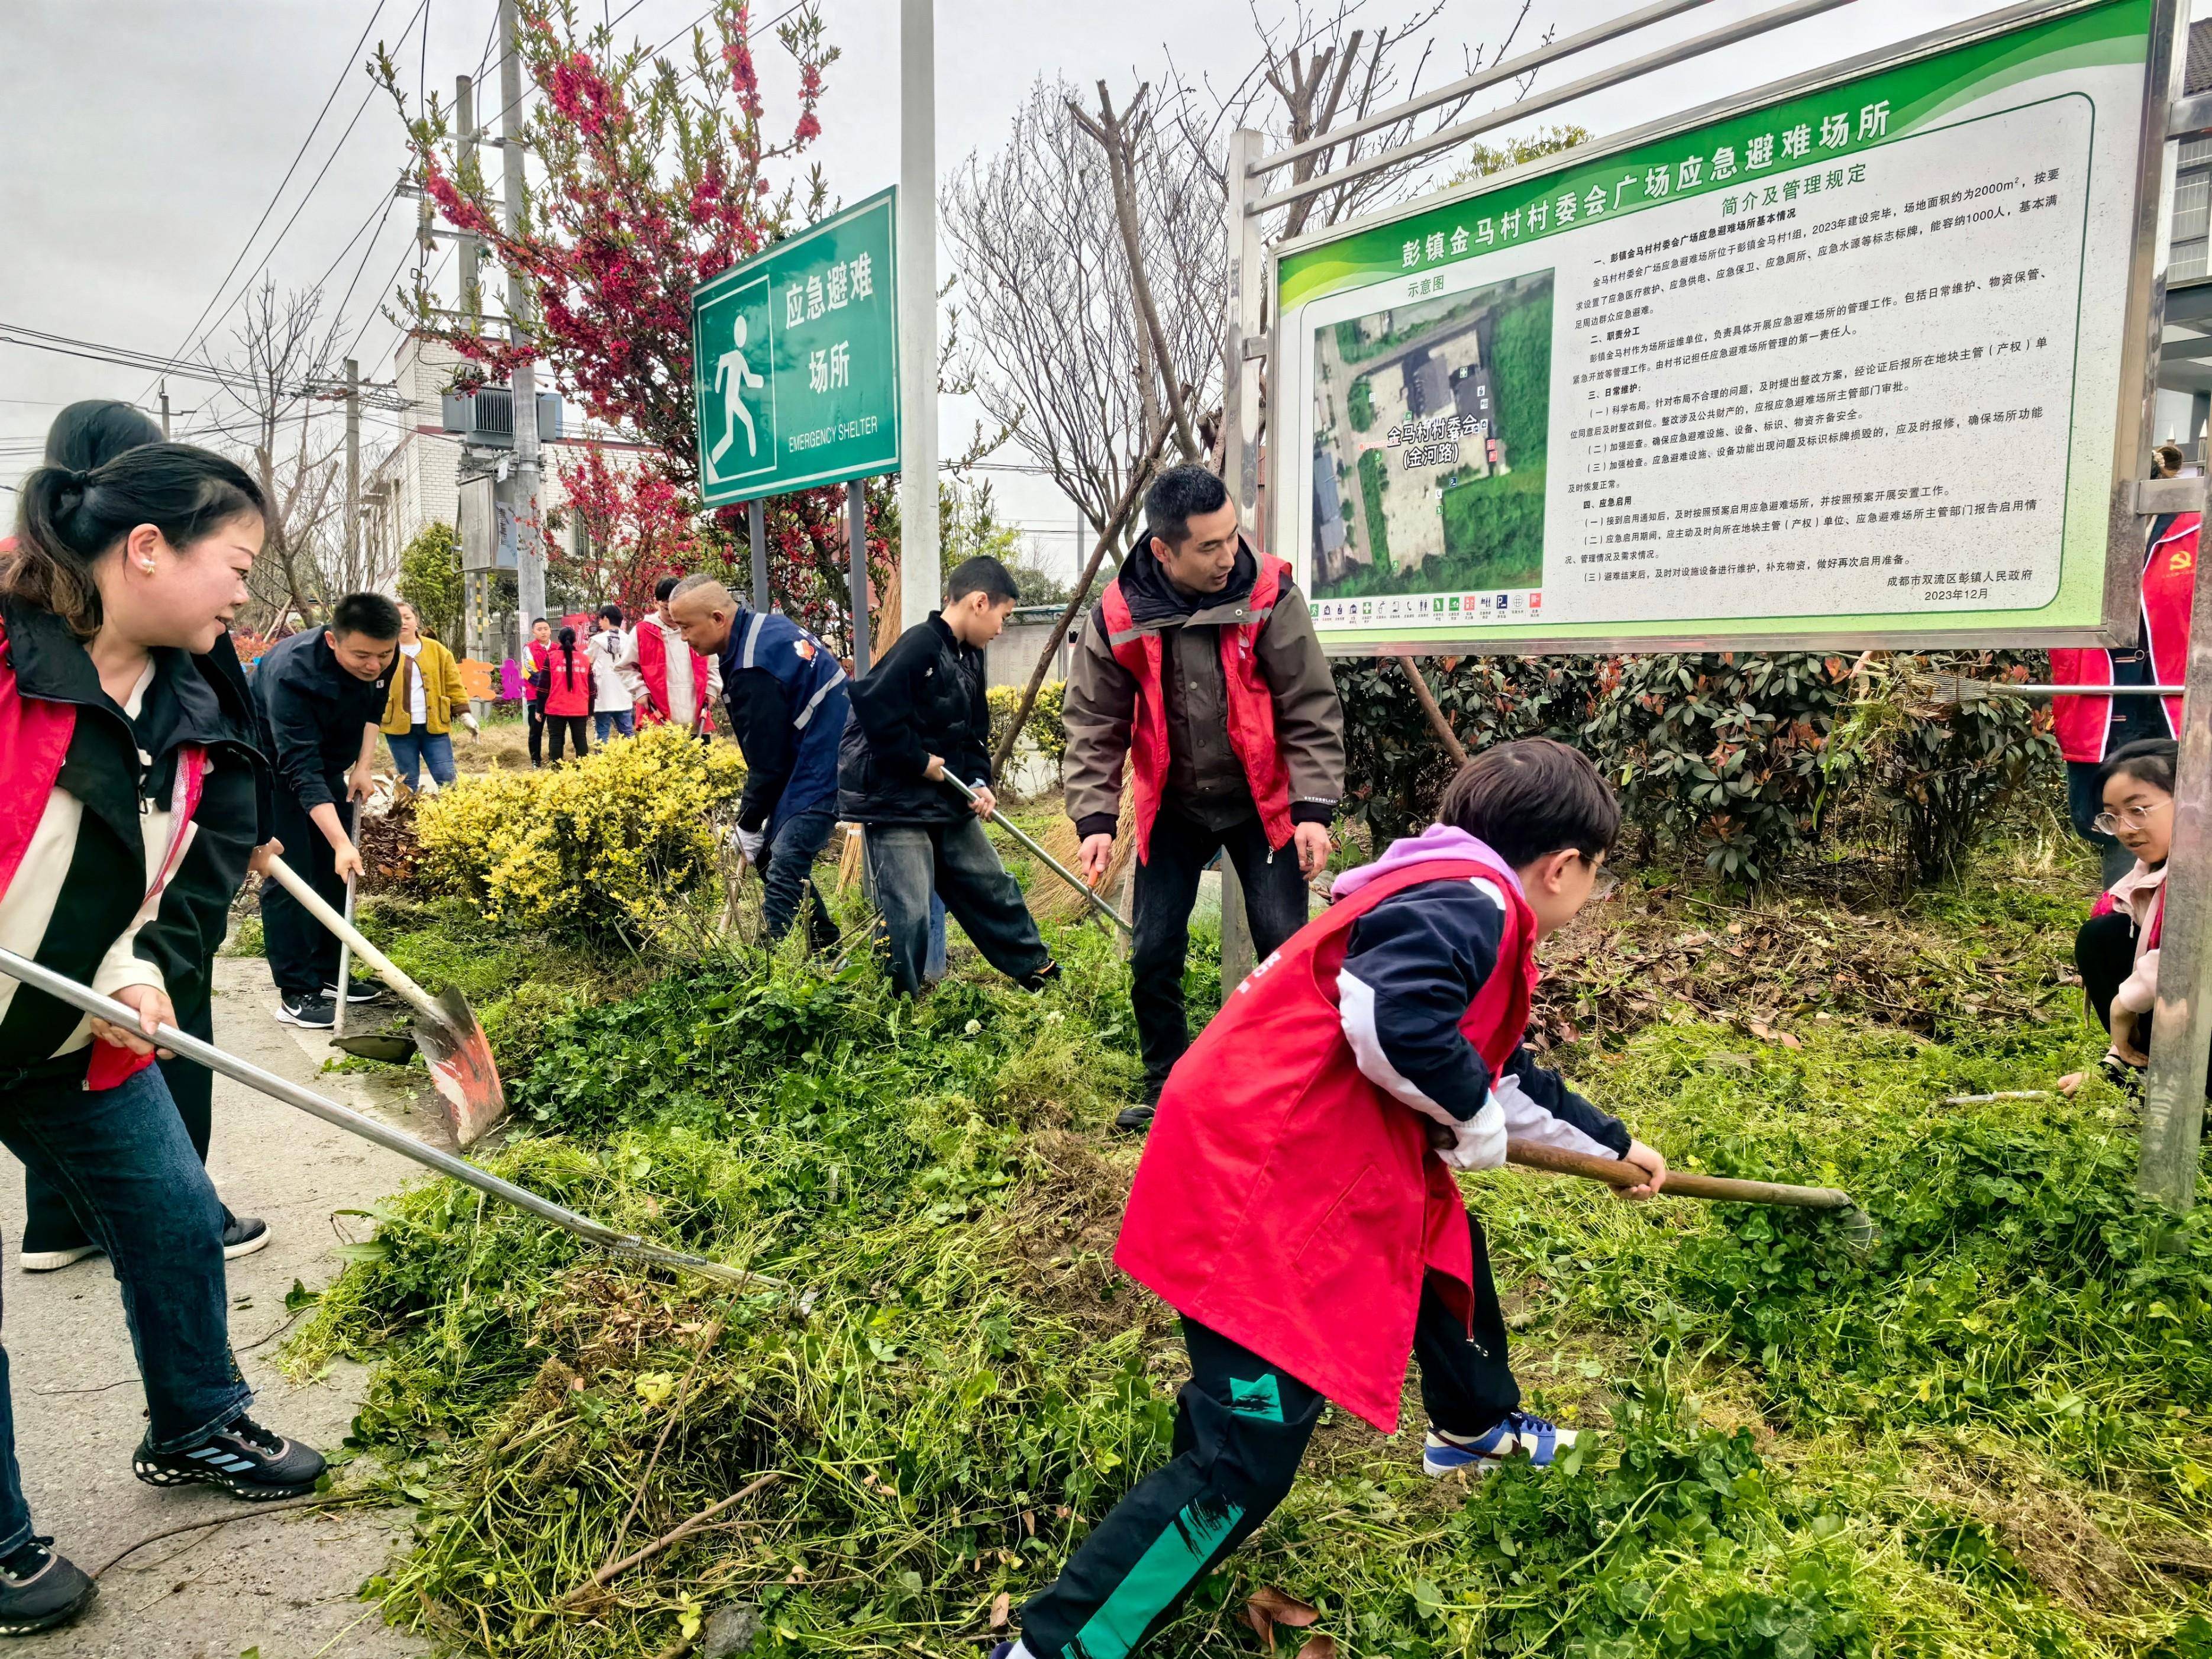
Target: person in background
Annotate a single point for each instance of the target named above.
(540, 652)
(83, 436)
(2116, 949)
(920, 715)
(323, 692)
(2091, 728)
(427, 698)
(670, 683)
(1296, 1202)
(786, 701)
(127, 770)
(1199, 670)
(613, 709)
(567, 694)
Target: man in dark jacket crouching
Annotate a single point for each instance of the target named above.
(919, 714)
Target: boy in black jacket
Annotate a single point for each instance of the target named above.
(918, 714)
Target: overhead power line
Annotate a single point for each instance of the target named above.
(278, 195)
(102, 352)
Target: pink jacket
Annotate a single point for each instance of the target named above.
(2142, 894)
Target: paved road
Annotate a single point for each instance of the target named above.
(285, 1583)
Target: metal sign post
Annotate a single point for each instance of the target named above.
(2181, 1020)
(856, 555)
(756, 536)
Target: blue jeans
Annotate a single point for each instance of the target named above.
(608, 721)
(412, 751)
(911, 864)
(123, 1160)
(786, 871)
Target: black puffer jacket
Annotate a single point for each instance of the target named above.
(926, 697)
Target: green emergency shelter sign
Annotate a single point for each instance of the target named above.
(795, 360)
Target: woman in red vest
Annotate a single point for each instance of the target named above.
(129, 768)
(2092, 729)
(1296, 1204)
(568, 693)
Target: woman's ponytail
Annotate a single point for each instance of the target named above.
(43, 569)
(567, 638)
(67, 520)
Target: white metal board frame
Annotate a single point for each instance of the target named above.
(2089, 599)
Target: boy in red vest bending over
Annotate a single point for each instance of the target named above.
(1296, 1203)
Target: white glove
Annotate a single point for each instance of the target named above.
(1478, 1143)
(469, 721)
(749, 842)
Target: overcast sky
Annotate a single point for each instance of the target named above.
(139, 143)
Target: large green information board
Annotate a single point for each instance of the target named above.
(795, 360)
(1850, 360)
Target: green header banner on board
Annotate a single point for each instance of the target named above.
(1845, 365)
(795, 360)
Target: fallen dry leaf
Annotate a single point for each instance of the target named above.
(1269, 1607)
(1318, 1647)
(1787, 1041)
(1001, 1605)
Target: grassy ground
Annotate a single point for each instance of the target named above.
(1988, 1436)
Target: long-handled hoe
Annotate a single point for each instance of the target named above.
(65, 989)
(1858, 1225)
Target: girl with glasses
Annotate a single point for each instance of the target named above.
(2116, 949)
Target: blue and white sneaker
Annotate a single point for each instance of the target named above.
(1521, 1435)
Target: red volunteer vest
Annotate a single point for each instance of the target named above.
(653, 664)
(2169, 581)
(1286, 1202)
(1251, 707)
(34, 740)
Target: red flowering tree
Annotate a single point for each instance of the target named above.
(648, 179)
(637, 528)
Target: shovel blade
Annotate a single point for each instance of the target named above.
(459, 1056)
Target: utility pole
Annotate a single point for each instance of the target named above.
(353, 470)
(475, 611)
(917, 318)
(464, 111)
(530, 561)
(165, 411)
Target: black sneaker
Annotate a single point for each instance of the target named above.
(1134, 1120)
(358, 990)
(1043, 978)
(246, 1460)
(316, 1013)
(39, 1589)
(242, 1234)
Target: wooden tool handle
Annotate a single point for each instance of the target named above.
(379, 964)
(1615, 1172)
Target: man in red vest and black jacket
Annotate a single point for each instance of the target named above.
(1201, 668)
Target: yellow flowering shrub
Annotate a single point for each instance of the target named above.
(609, 838)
